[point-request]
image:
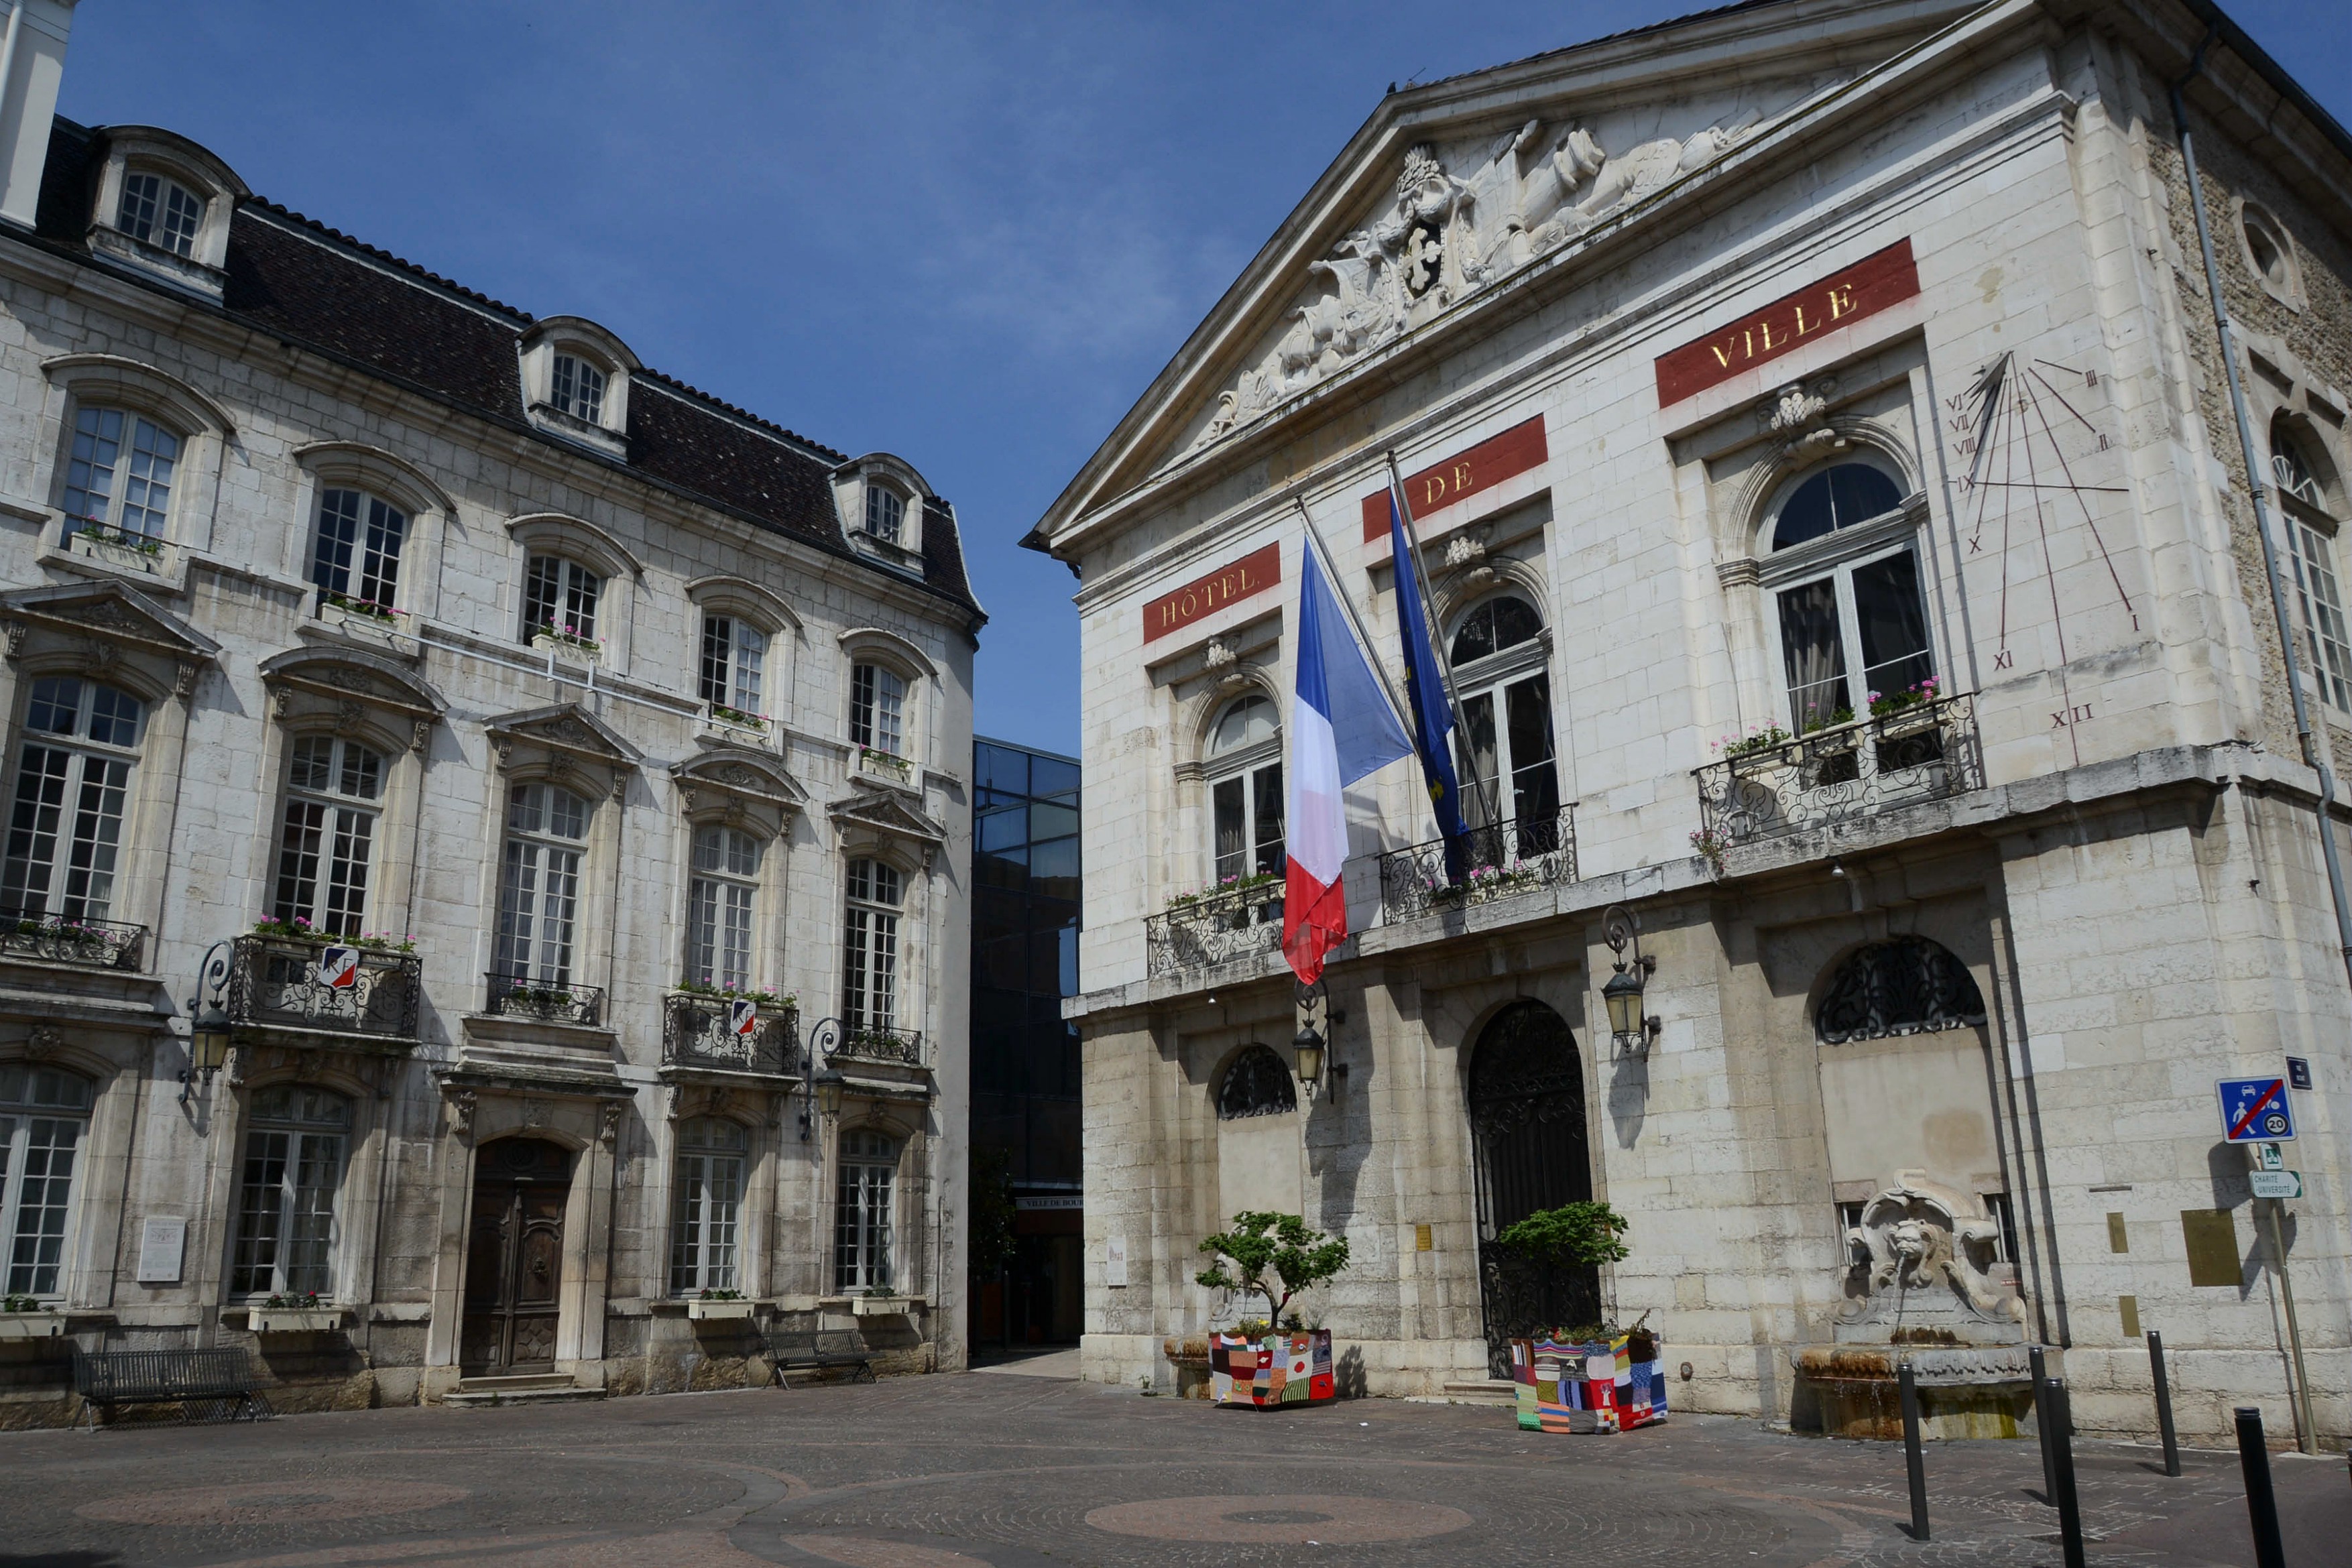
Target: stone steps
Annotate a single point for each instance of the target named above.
(524, 1388)
(1483, 1391)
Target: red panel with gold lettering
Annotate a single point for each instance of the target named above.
(1489, 464)
(1871, 284)
(1253, 574)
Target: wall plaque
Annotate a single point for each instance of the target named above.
(1871, 284)
(1463, 475)
(1252, 575)
(161, 1242)
(1115, 1262)
(2212, 1244)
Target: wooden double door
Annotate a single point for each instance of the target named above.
(514, 1257)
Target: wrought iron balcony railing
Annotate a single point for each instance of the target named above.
(1482, 864)
(84, 944)
(277, 982)
(706, 1031)
(1926, 751)
(872, 1042)
(1215, 928)
(549, 1001)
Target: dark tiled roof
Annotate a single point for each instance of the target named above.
(307, 284)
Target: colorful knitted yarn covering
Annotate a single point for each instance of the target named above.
(1281, 1369)
(1593, 1387)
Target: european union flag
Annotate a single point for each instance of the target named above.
(1425, 685)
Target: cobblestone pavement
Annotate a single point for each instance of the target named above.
(959, 1472)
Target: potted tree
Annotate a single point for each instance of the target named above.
(1277, 1361)
(1592, 1377)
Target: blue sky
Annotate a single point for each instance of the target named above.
(968, 235)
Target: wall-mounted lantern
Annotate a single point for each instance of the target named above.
(820, 1091)
(208, 1027)
(1631, 1030)
(1307, 1044)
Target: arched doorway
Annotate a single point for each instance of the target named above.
(1527, 1128)
(514, 1255)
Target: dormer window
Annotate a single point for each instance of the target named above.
(885, 513)
(579, 388)
(161, 212)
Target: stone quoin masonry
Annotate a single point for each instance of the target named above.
(1814, 419)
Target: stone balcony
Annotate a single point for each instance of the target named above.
(1839, 774)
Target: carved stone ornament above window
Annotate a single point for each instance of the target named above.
(352, 674)
(1449, 227)
(108, 617)
(562, 738)
(873, 817)
(725, 773)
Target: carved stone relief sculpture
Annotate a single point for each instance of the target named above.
(1442, 235)
(1924, 1268)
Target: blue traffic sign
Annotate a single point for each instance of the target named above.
(2255, 1111)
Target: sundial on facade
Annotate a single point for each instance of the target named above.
(2027, 428)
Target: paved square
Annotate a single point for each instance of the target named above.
(1020, 1472)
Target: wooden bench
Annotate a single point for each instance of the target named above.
(818, 1352)
(208, 1385)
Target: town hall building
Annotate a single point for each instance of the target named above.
(1880, 476)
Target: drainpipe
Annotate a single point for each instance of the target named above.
(2311, 754)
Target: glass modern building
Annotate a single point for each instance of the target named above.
(1024, 1064)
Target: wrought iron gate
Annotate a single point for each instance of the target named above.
(1526, 1124)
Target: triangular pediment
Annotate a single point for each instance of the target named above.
(739, 770)
(565, 727)
(1456, 198)
(113, 611)
(886, 813)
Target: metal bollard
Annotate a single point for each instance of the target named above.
(1914, 1463)
(2042, 1423)
(2062, 1448)
(2261, 1506)
(2163, 1402)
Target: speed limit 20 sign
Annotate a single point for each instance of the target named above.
(2255, 1111)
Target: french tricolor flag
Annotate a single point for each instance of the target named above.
(1341, 728)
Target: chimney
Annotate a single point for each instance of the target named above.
(32, 63)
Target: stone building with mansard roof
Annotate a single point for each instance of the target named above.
(1841, 534)
(533, 759)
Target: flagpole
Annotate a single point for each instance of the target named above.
(1436, 633)
(1347, 602)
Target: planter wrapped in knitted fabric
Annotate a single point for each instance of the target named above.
(1280, 1369)
(1587, 1388)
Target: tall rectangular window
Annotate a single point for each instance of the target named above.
(358, 553)
(719, 897)
(326, 843)
(119, 476)
(539, 896)
(706, 1205)
(861, 1212)
(2321, 599)
(44, 1116)
(869, 987)
(73, 781)
(286, 1203)
(560, 595)
(732, 653)
(877, 709)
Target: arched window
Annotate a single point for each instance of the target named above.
(706, 1205)
(2311, 529)
(334, 790)
(1507, 766)
(877, 709)
(161, 212)
(44, 1117)
(734, 653)
(1907, 986)
(861, 1212)
(1244, 773)
(539, 900)
(869, 982)
(1257, 1085)
(577, 387)
(719, 897)
(356, 564)
(73, 783)
(286, 1211)
(119, 476)
(1859, 609)
(559, 599)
